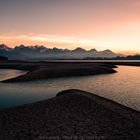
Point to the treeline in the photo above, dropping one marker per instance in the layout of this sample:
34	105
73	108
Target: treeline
130	57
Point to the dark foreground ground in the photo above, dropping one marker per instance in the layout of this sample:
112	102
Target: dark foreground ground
46	70
72	114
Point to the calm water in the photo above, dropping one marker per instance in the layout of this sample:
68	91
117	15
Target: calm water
9	73
122	87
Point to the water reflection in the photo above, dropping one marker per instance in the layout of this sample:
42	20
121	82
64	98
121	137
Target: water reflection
10	73
122	87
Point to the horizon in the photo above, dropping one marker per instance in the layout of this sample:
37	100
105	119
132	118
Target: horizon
100	24
72	49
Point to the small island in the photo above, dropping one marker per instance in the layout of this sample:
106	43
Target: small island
46	70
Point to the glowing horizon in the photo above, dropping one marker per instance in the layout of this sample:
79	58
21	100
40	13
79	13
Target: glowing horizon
100	24
60	42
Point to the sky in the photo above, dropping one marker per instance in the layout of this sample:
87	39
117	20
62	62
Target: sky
100	24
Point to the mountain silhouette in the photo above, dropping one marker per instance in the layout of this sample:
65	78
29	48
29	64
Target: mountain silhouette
79	50
93	50
42	52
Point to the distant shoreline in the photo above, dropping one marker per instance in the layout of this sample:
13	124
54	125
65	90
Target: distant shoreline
46	70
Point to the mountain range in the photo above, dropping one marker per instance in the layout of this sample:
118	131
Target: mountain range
41	52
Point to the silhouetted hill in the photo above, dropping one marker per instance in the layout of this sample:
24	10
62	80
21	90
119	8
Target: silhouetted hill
23	52
79	50
134	57
130	57
93	50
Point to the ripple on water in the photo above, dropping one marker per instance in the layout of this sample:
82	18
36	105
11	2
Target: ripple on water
122	87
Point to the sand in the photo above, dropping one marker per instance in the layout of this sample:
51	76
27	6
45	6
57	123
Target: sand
72	114
46	70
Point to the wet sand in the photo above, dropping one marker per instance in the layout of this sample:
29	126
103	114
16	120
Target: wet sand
71	114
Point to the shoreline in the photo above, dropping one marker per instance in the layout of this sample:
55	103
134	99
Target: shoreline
71	113
46	70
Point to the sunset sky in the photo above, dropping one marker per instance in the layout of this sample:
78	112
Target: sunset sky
100	24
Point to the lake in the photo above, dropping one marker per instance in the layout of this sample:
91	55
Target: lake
10	73
122	87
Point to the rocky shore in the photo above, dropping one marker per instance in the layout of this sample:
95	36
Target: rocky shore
72	114
46	70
